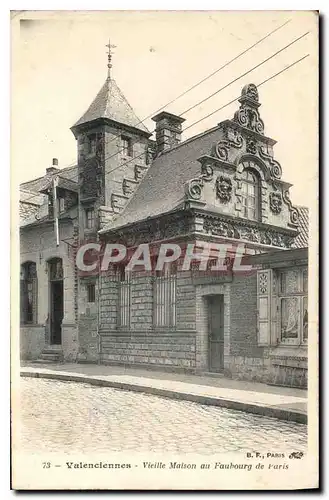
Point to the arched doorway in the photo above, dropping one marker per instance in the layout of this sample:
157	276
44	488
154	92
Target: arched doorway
56	297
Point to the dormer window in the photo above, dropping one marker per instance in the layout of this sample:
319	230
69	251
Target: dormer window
127	147
250	195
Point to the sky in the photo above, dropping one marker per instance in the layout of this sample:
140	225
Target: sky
59	63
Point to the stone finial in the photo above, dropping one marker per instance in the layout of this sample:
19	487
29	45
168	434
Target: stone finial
250	92
248	114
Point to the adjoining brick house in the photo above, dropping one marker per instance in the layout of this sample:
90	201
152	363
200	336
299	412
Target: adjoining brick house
222	185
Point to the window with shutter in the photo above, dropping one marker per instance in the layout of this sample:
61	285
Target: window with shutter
264	320
292	306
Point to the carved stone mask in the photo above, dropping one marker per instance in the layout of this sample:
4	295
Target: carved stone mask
224	188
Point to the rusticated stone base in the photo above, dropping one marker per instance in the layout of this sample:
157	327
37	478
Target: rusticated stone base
175	351
290	372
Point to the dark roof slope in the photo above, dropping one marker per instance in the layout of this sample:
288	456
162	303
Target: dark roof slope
30	192
111	103
301	241
36	185
162	188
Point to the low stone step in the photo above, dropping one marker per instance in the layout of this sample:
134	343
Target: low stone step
214	374
53	357
46	361
52	350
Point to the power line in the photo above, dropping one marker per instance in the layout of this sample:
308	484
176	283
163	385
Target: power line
222	107
237	98
273	55
198	83
246	73
219	109
231	82
206	78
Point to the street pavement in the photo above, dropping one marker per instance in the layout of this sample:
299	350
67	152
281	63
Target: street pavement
281	402
70	417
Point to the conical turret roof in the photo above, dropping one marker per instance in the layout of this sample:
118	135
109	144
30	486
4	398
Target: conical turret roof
110	103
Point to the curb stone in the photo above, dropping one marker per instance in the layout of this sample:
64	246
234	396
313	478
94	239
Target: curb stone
264	410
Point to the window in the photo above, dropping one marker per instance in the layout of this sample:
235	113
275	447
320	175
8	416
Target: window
124	297
127	149
91	292
293	307
250	195
164	294
61	205
90	218
91	145
28	293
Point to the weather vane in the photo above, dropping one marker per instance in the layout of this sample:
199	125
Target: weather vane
109	57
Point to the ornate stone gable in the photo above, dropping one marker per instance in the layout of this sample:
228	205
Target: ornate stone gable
242	146
193	189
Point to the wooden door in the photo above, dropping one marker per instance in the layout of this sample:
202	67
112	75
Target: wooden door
56	312
216	332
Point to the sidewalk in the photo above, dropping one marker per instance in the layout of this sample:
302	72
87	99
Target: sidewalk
253	397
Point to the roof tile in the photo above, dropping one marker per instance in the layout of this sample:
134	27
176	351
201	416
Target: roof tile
111	103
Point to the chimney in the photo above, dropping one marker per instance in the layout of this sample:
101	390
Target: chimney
54	167
168	130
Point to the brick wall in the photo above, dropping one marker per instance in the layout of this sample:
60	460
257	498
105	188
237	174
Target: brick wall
143	343
108	296
141	314
185	301
288	371
158	349
243	337
88	322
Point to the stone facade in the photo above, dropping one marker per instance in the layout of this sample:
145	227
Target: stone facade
129	189
38	245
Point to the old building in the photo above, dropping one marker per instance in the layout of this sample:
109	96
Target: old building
221	186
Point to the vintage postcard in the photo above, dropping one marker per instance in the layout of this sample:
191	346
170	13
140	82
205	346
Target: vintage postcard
165	239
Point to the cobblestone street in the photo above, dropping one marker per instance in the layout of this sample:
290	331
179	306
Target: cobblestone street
79	418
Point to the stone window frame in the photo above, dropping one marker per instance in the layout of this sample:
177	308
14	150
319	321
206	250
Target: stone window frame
90	221
91	292
127	146
258	166
165	287
202	326
300	295
91	144
124	280
29	283
252	200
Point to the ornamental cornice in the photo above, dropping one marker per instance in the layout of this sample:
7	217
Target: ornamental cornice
245	222
247	132
216	162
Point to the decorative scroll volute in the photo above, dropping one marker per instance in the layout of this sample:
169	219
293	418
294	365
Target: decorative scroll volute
193	188
248	114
